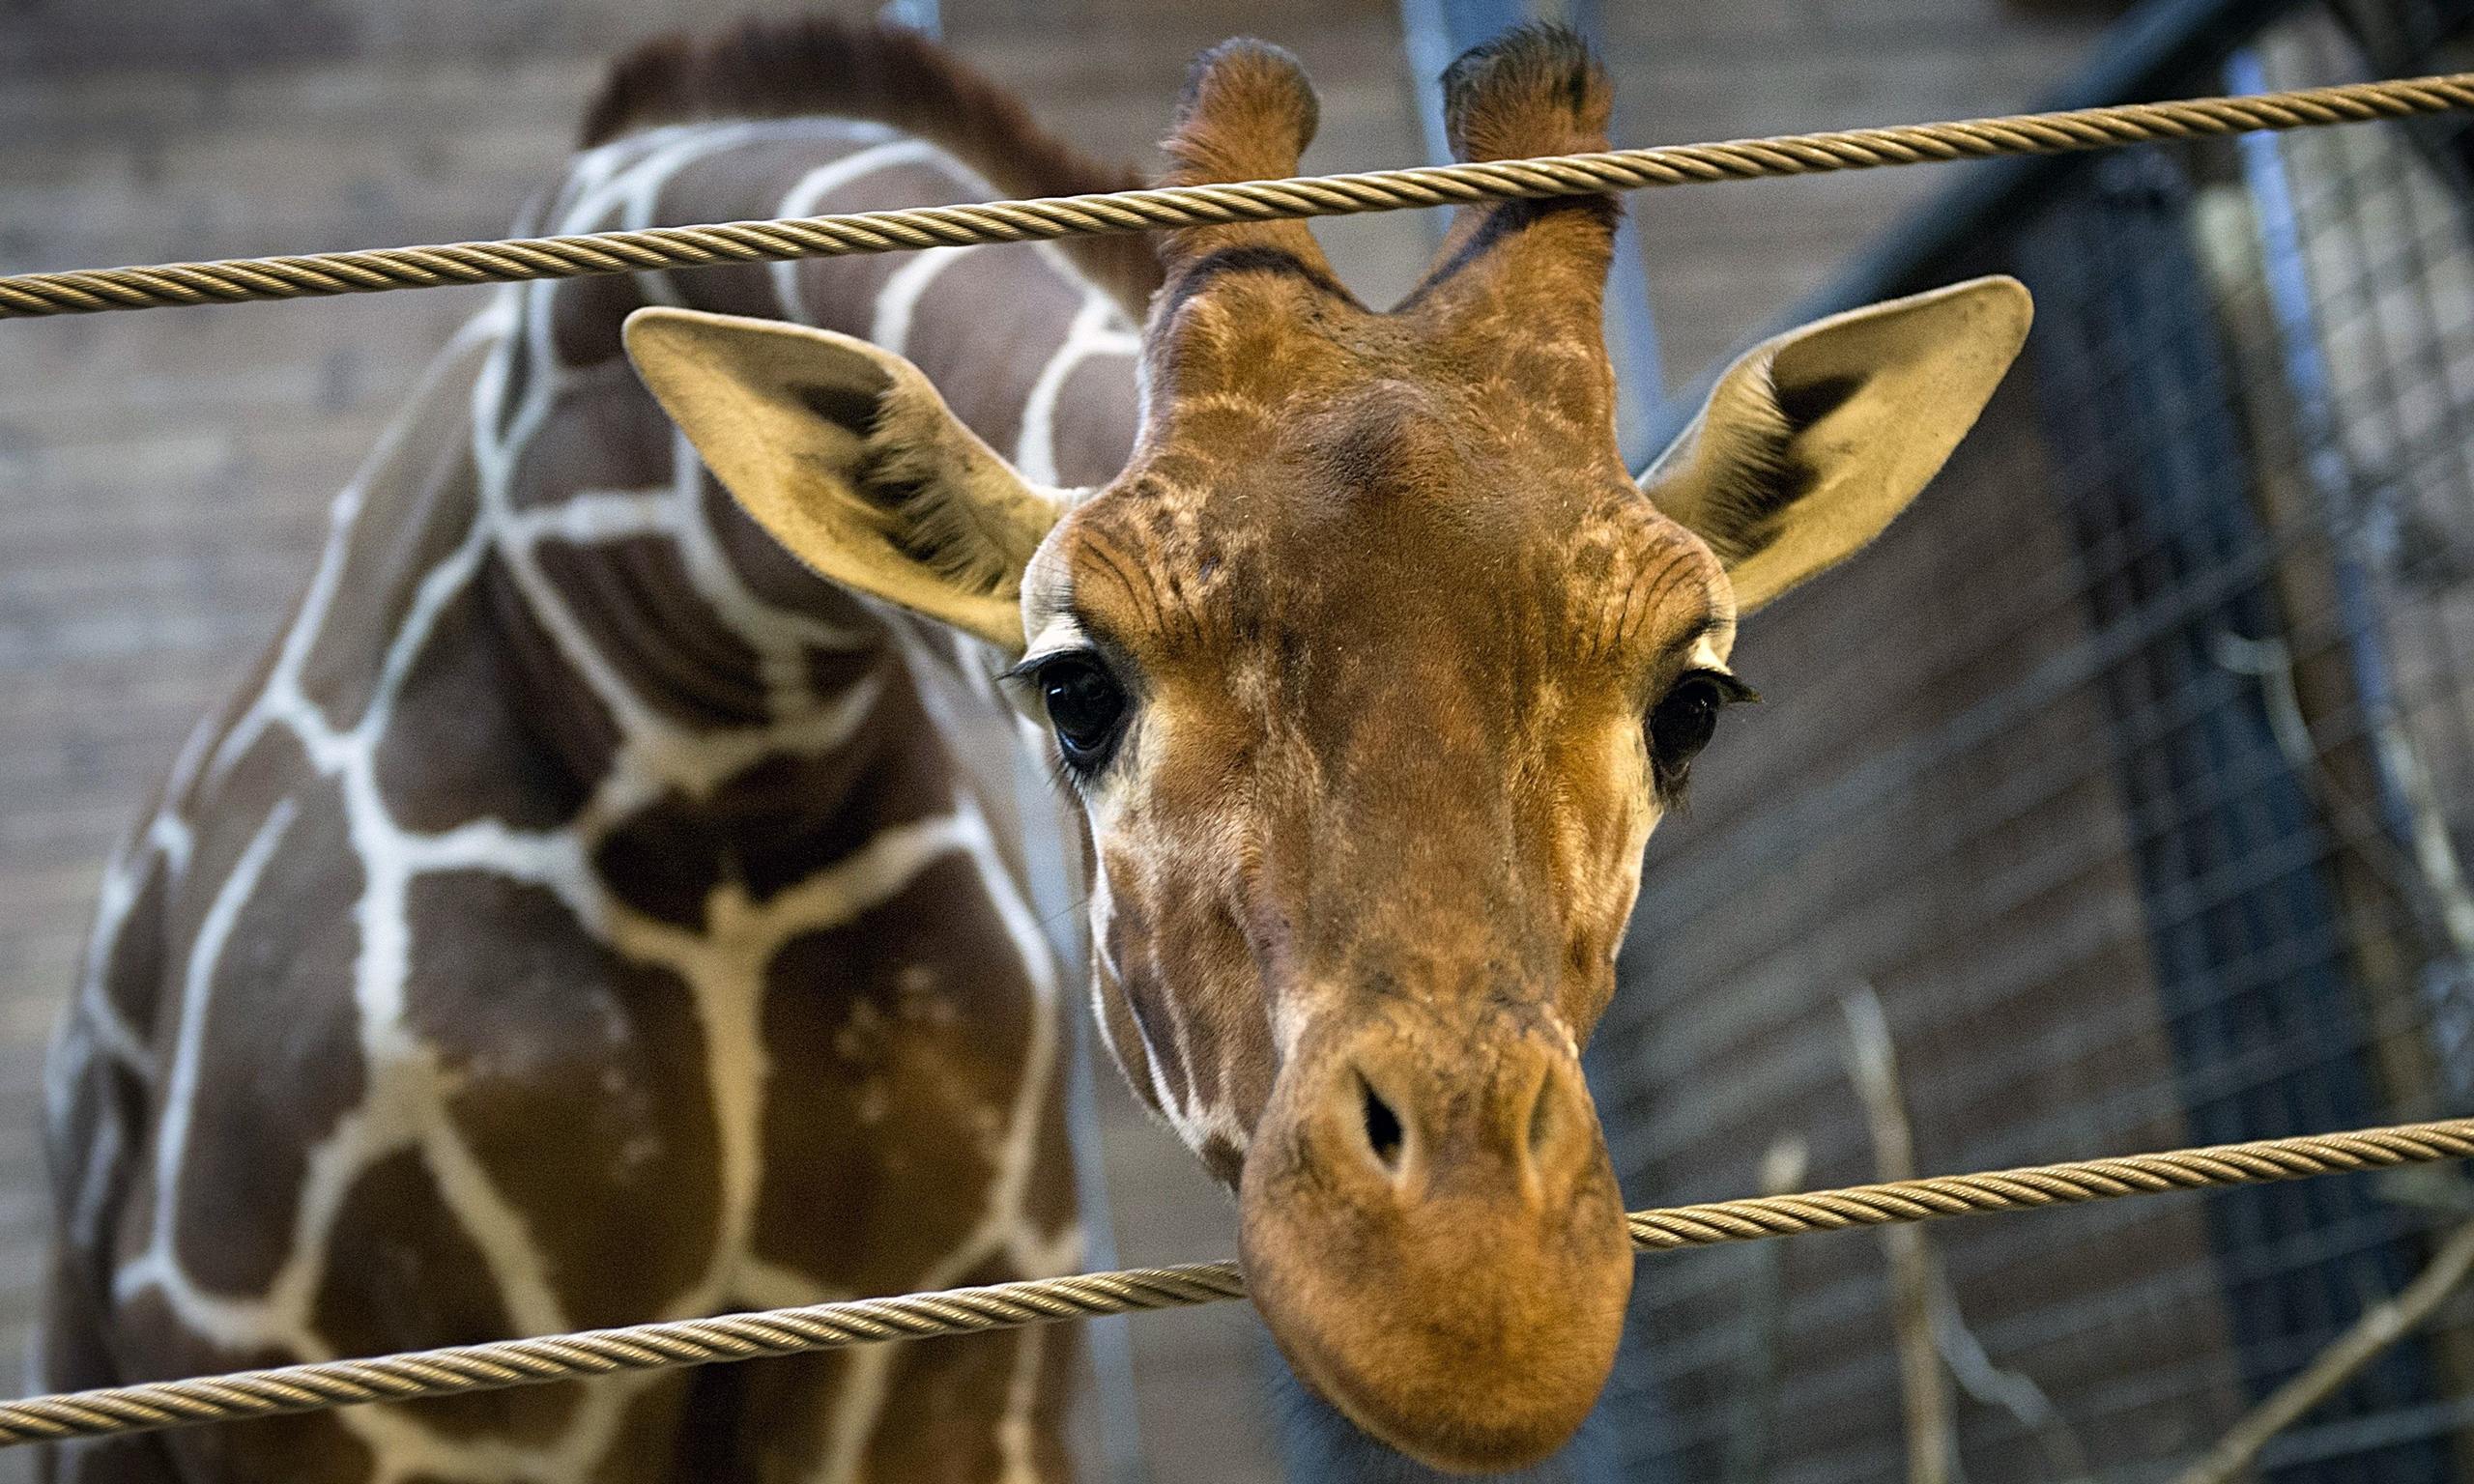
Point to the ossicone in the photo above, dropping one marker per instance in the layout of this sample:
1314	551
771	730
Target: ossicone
1248	113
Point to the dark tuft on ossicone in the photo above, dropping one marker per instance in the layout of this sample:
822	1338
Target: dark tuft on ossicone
1537	89
1249	113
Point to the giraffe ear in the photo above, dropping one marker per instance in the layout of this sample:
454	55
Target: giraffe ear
1812	443
849	458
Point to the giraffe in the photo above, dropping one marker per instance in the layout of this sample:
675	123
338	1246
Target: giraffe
604	905
1368	675
586	915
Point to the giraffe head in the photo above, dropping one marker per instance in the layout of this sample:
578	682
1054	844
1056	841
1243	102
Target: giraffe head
1372	673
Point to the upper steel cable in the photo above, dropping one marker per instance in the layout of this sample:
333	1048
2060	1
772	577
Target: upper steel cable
234	280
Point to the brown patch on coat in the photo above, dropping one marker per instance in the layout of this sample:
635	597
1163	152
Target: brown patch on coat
150	1343
578	1083
970	359
134	965
756	179
896	1042
768	571
92	1149
683	1426
1053	1206
1095	420
465	739
420	506
74	1353
585	315
604	434
279	1064
779	821
417	1279
643	616
943	1415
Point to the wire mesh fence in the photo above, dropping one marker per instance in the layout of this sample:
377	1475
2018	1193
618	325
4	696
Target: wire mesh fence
2134	774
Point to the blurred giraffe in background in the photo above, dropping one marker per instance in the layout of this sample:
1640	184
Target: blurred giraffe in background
589	916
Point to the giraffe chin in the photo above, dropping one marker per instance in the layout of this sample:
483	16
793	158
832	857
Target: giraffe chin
1465	1319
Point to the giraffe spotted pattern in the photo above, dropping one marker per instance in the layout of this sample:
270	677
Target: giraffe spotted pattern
587	916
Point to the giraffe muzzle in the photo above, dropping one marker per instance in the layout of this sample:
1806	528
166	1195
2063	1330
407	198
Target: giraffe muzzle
1432	1231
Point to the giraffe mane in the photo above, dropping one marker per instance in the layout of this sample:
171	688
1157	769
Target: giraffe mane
824	65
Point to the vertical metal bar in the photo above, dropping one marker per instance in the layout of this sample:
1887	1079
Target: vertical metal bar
1631	327
1426	35
924	16
1109	1341
2356	529
2306	375
1115	1412
2145	55
1433	32
2137	400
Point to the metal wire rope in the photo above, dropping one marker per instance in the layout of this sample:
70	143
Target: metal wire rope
234	280
326	1385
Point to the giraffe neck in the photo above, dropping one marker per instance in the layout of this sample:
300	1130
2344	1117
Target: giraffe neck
703	672
567	788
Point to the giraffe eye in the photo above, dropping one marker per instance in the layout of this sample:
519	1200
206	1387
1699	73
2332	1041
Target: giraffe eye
1685	717
1086	707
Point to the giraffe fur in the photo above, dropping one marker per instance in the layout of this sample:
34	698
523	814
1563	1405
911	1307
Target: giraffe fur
589	917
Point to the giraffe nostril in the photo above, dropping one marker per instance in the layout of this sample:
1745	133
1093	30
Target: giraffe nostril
1383	1133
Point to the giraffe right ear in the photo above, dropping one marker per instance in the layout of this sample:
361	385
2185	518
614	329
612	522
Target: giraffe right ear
1814	440
848	457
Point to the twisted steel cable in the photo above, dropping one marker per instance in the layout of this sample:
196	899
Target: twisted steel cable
1933	1197
316	275
507	1363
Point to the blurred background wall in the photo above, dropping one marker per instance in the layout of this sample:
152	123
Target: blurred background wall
163	477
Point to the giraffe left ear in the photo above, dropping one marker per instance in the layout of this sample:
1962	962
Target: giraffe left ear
1814	440
849	458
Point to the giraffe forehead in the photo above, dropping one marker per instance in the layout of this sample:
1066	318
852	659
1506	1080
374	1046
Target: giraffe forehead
1258	327
1277	566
